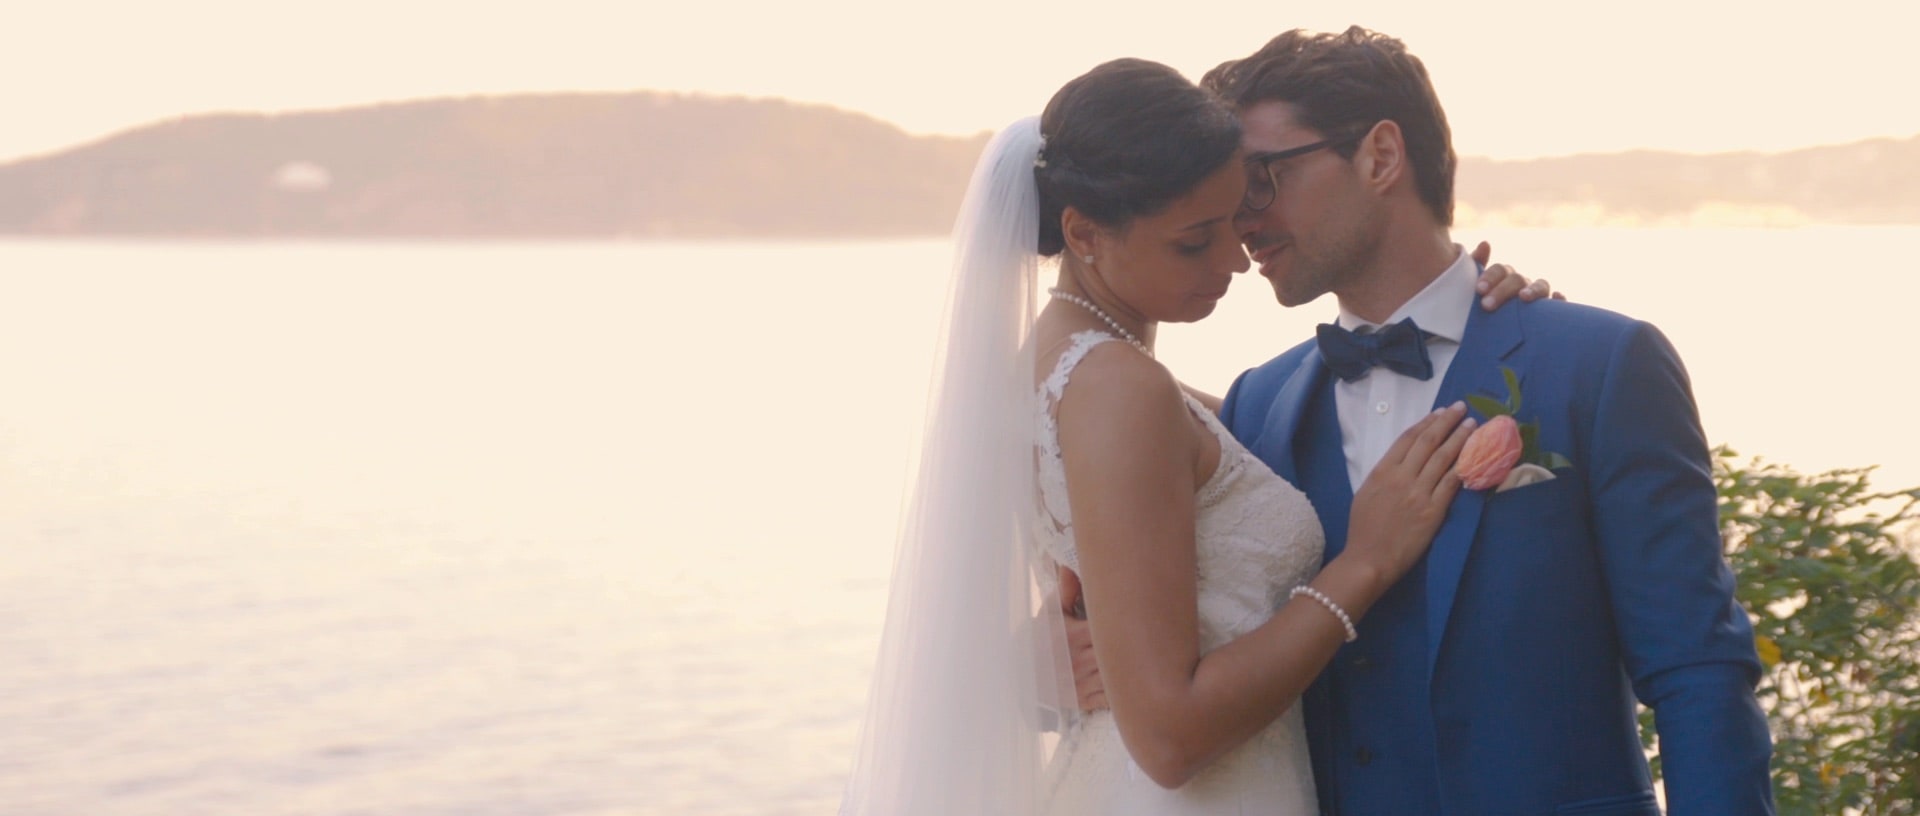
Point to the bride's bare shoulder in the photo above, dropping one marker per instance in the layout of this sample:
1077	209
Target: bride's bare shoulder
1116	386
1119	365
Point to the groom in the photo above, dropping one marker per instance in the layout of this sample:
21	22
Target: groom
1500	676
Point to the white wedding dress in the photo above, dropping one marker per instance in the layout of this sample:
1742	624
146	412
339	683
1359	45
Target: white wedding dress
1257	538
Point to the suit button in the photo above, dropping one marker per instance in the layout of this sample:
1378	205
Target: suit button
1363	756
1363	663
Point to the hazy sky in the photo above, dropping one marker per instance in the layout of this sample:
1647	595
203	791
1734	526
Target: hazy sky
1518	78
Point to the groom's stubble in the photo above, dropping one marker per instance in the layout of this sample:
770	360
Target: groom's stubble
1331	256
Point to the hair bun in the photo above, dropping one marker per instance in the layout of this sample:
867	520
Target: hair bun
1124	140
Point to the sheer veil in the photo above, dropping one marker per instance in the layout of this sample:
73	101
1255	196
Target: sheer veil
973	657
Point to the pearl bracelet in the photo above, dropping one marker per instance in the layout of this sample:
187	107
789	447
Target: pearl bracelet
1345	621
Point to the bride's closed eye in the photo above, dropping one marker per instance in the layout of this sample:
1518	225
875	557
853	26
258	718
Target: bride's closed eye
1193	249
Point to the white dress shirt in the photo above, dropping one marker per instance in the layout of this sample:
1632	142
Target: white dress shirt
1376	408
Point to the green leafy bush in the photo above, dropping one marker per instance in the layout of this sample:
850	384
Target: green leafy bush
1831	579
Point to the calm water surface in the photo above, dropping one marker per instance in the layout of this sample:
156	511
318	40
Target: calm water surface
603	530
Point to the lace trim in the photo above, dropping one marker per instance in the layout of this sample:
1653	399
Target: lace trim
1233	458
1052	477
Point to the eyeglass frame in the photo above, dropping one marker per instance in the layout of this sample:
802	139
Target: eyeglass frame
1266	160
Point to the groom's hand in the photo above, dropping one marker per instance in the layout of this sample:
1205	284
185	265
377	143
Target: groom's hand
1086	673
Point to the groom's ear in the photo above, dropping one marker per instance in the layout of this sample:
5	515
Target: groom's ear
1381	157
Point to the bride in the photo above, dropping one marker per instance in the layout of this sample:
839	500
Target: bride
1058	445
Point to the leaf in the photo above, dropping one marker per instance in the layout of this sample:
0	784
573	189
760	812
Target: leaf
1554	461
1769	650
1488	406
1513	388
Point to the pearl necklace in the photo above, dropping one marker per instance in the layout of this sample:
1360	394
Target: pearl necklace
1061	294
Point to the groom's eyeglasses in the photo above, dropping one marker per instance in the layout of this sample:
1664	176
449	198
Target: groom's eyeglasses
1262	187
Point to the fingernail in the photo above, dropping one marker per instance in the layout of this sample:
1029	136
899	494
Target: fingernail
1468	423
1487	301
1461	404
1480	286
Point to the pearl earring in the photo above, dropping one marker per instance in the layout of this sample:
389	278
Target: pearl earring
1088	259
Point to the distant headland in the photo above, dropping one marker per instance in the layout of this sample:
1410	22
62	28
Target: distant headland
659	165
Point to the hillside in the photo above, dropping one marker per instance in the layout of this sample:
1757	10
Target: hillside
578	165
651	165
1870	182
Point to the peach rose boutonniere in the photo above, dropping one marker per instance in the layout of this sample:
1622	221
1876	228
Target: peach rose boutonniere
1505	453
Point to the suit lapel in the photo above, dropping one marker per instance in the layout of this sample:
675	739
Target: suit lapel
1489	339
1301	442
1290	405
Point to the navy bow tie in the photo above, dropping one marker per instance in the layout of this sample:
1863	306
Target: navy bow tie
1401	347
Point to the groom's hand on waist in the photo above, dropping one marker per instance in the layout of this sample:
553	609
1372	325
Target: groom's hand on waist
1086	673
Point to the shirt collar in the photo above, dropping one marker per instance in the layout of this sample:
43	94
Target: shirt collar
1441	309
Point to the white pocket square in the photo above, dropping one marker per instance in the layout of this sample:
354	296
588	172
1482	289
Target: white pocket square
1524	475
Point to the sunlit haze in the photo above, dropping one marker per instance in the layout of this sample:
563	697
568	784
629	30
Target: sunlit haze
1519	78
486	462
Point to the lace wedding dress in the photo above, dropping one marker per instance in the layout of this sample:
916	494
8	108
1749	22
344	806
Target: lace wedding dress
1257	538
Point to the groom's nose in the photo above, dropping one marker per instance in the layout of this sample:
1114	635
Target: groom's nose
1246	223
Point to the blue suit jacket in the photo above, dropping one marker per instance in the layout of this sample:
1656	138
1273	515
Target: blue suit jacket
1551	608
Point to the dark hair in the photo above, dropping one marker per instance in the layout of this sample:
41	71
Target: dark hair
1342	85
1124	140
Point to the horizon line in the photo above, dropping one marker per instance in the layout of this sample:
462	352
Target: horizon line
803	103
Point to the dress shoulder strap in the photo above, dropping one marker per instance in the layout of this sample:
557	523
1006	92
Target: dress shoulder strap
1055	516
1077	347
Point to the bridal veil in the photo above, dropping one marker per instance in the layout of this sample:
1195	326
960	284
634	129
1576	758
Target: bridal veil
972	670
